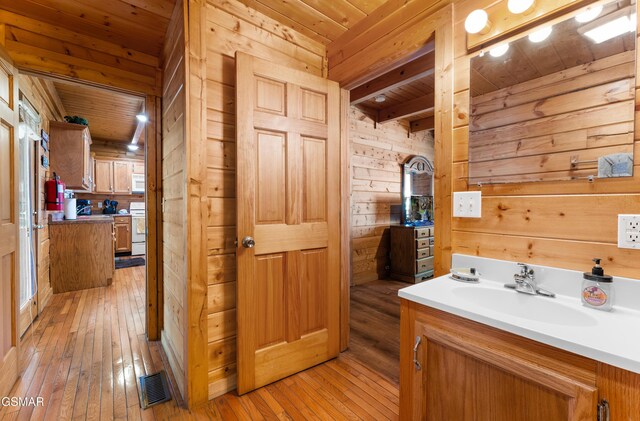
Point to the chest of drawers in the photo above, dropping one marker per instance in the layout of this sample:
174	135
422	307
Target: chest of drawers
411	253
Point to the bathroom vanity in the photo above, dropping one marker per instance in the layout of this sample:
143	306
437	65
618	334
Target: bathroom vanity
479	351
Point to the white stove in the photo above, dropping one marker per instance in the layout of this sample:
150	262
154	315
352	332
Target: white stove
139	228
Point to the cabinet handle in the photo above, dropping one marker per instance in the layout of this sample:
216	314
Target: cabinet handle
603	410
415	353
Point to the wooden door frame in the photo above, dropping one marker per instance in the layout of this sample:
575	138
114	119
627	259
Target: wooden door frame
439	26
153	195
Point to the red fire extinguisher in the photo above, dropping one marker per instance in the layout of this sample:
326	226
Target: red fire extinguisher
54	193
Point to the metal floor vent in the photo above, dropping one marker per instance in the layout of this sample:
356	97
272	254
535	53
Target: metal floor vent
154	389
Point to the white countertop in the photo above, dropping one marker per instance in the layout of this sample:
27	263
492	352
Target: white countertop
563	322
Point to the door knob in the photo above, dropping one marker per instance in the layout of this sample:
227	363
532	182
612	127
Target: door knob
248	242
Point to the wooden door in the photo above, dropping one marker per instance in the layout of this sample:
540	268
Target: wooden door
123	237
288	189
122	176
8	224
104	176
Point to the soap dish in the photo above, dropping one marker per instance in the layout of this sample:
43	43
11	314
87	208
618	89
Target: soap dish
465	275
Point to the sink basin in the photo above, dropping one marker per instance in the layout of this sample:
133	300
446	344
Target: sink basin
535	308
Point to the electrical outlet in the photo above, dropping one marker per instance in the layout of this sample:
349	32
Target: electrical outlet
467	204
629	231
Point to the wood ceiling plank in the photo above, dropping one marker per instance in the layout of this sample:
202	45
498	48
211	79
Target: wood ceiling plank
340	11
162	8
407	109
367	6
414	70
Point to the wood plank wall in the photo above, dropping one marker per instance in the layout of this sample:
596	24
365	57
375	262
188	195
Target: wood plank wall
231	27
174	194
377	152
533	130
47	48
562	224
42	95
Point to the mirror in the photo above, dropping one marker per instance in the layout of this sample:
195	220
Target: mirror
558	103
417	191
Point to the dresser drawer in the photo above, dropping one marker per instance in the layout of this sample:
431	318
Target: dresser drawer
423	265
422	253
423	232
423	243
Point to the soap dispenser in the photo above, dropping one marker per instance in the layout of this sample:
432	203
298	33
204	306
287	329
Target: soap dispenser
597	288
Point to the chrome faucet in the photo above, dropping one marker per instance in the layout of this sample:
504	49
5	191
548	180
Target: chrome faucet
526	282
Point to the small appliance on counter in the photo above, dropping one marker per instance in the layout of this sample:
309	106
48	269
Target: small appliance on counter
70	211
83	207
110	207
54	194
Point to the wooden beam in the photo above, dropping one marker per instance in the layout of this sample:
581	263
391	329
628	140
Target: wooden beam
421	67
410	108
426	123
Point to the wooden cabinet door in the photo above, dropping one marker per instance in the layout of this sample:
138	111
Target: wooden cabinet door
123	238
466	382
122	171
288	142
9	267
86	160
103	176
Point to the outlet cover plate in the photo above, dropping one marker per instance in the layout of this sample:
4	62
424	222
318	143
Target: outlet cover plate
629	231
467	204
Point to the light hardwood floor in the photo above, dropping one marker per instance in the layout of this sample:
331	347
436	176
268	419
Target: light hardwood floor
375	326
84	353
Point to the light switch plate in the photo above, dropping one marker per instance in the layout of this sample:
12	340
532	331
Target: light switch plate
467	204
629	231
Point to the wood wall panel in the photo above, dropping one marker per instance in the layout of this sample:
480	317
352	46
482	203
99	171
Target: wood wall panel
561	223
174	195
51	49
231	27
377	152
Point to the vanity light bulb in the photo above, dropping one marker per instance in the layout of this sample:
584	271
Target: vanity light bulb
476	22
520	6
590	14
541	34
498	51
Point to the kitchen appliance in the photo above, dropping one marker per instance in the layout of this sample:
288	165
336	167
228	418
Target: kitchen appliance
110	207
70	211
83	207
137	183
54	194
138	228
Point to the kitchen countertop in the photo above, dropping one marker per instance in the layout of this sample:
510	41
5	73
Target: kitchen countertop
82	219
562	322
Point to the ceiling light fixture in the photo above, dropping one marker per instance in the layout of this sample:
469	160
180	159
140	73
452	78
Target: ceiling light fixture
499	50
477	22
142	118
589	14
520	6
611	29
133	147
541	34
380	98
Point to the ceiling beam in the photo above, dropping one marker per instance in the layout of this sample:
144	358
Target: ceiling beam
426	123
417	69
423	104
139	129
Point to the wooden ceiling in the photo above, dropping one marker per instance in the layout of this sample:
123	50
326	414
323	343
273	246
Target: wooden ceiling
111	115
320	20
563	49
408	94
136	24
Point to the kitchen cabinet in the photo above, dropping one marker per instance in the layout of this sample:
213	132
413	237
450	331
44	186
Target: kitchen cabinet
454	368
138	168
122	226
70	155
113	177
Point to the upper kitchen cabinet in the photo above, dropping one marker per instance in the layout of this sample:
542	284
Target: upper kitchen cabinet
70	154
122	171
104	176
113	176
